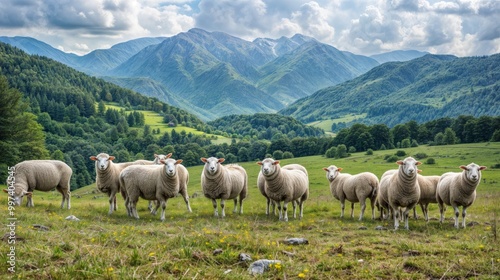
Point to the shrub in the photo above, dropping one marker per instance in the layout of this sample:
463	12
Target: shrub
352	149
287	155
278	154
420	155
401	153
330	153
369	152
430	161
392	158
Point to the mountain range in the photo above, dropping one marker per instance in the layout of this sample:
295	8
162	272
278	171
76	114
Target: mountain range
213	74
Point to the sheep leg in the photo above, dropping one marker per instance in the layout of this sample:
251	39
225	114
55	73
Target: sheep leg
457	213
464	213
268	204
150	206
406	214
241	205
235	209
280	212
294	206
285	210
301	209
127	207
222	206
372	203
133	207
352	210
342	207
112	201
163	204
425	210
415	212
216	211
362	203
155	209
395	213
29	201
184	194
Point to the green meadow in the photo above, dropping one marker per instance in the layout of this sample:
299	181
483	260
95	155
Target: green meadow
326	125
199	246
155	121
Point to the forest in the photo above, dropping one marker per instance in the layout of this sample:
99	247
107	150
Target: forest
51	111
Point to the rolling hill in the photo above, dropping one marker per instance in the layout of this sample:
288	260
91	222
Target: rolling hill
422	89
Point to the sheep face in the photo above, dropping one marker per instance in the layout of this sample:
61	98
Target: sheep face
17	195
102	160
212	164
160	157
332	172
268	166
472	171
409	166
170	166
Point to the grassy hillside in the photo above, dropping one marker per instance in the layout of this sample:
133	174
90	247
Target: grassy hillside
182	247
155	121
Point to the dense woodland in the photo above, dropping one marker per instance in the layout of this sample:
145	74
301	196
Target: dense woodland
48	110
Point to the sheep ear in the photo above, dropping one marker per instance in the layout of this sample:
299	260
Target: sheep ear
419	170
463	167
162	161
156	155
400	162
221	160
28	194
482	167
93	158
326	169
339	169
179	161
259	162
169	155
276	162
5	191
203	159
418	163
111	158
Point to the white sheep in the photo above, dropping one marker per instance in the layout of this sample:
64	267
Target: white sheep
458	189
107	177
40	175
285	184
428	185
151	183
223	182
382	202
353	188
403	191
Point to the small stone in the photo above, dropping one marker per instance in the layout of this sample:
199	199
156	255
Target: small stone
296	241
217	251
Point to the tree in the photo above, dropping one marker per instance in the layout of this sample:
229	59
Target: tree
449	137
331	153
21	136
341	151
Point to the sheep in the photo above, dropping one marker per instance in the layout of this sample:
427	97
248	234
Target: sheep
403	192
107	177
428	185
381	200
223	182
40	175
353	188
287	184
152	183
458	189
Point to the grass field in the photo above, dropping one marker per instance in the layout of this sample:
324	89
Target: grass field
102	246
326	125
155	121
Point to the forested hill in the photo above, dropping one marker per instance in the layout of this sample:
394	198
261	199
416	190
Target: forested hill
264	126
54	86
422	89
38	94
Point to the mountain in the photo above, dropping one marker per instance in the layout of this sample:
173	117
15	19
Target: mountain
398	56
421	89
213	74
33	46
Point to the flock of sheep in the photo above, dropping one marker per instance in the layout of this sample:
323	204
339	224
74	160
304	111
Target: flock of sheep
395	194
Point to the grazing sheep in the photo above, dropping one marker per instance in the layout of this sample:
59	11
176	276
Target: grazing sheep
353	188
403	191
40	175
107	177
458	189
287	184
223	182
151	183
428	185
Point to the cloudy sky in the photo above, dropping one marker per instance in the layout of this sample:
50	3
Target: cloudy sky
459	27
